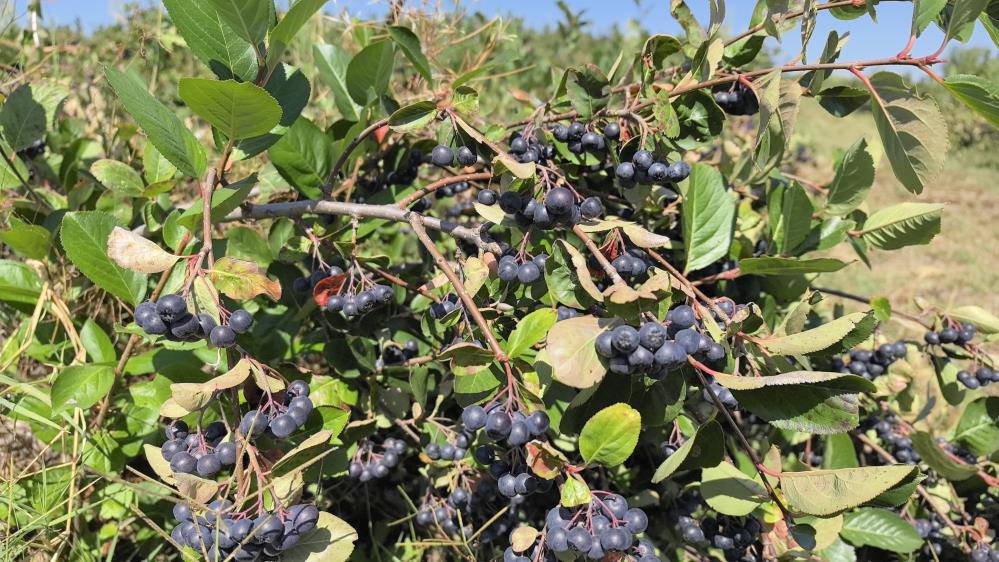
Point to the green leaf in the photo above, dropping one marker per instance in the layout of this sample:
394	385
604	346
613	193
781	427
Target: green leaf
155	167
791	216
923	13
22	118
97	343
708	217
912	130
978	428
587	89
19	283
413	116
289	86
224	201
212	41
881	529
530	330
839	452
81	386
368	73
985	321
303	157
248	18
706	448
769	265
29	240
809	401
979	94
165	130
817	339
85	236
938	460
118	177
571	348
239	110
901	225
963	13
728	491
841	101
853	181
11	173
827	492
609	437
574	493
331	541
332	62
289	26
410	45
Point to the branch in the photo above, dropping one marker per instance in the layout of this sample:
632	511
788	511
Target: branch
606	265
328	186
867	301
443	182
361	211
459	288
743	442
792	15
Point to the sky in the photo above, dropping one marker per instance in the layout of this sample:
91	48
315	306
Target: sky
867	40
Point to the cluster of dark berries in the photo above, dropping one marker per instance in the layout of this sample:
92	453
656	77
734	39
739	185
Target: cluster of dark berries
502	423
653	349
960	334
352	305
890	431
395	355
579	140
199	452
527	148
407	170
33	151
279	419
306	284
514	480
565	313
558	208
375	461
525	271
733	536
454	449
169	317
632	264
644	170
740	100
985	553
452	190
932	532
447	305
225	537
445	515
724	395
982	377
444	156
871	363
605	525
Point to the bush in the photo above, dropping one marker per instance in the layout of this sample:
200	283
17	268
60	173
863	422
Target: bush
287	287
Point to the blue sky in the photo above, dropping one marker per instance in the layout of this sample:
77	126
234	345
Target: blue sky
867	40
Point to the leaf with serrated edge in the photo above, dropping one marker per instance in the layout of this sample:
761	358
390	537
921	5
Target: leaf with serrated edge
854	178
610	436
912	130
132	251
827	492
905	224
708	217
530	330
978	428
295	458
816	339
242	280
239	110
198	489
572	350
574	492
727	490
85	236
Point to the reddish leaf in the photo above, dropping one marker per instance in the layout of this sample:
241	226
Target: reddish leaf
329	286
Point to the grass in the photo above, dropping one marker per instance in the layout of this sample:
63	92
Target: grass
959	266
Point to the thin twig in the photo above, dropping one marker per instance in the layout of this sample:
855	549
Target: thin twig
459	288
443	182
592	247
335	172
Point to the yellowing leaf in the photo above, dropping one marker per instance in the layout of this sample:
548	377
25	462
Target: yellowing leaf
242	280
131	251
